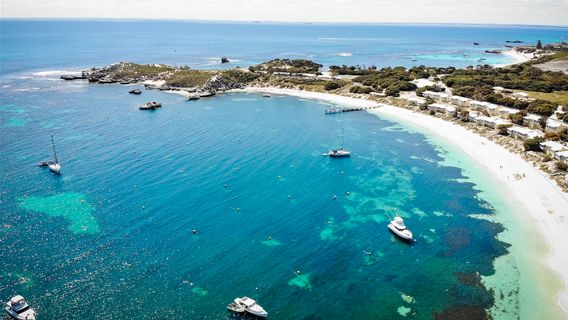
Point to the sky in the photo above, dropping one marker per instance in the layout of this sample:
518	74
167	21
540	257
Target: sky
531	12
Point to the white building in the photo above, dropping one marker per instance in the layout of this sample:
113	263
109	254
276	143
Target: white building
492	122
553	147
554	125
532	121
484	105
460	101
562	156
524	133
438	96
443	108
416	101
505	112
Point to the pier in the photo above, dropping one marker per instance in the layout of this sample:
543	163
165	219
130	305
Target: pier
333	110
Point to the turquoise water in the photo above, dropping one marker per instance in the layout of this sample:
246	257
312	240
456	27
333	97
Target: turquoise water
113	234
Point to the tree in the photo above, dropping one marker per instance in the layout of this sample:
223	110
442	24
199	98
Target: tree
539	45
533	144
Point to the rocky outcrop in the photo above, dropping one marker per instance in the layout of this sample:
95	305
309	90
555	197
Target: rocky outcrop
220	83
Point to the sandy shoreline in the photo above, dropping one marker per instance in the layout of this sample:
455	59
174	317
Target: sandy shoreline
543	202
517	57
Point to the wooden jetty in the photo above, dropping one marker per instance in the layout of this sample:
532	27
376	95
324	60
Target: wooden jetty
333	110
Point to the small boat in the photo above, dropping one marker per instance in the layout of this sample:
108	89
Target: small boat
397	227
53	165
476	43
193	97
266	95
235	307
340	152
251	307
152	105
135	91
19	309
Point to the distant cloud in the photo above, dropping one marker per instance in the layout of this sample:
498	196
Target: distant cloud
542	12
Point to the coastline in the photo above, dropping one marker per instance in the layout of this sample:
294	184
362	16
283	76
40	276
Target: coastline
518	57
538	202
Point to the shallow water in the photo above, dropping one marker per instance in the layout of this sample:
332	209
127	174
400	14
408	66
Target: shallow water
142	181
113	234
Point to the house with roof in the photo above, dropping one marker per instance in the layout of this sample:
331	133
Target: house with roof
524	133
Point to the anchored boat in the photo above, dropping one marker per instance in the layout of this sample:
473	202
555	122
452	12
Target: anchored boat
18	308
249	305
53	165
398	227
340	152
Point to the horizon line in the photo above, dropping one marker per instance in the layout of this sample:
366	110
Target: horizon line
286	22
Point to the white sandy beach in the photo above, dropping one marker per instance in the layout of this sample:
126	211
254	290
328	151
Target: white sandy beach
517	57
544	204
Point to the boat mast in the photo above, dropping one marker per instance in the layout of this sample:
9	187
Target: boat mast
53	146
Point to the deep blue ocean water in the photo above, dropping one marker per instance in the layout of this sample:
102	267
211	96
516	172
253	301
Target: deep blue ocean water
63	44
112	236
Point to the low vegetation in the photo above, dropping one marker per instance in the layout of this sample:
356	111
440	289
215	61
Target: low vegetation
288	66
134	70
189	78
392	80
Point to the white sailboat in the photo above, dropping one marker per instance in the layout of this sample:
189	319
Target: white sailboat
54	165
340	152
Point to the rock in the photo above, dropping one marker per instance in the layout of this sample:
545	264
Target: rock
71	77
205	94
135	91
107	80
194	97
225	60
152	105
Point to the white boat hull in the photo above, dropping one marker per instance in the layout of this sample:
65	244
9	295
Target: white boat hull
26	315
403	234
55	168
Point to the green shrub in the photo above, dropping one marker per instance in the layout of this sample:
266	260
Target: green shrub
359	89
533	144
331	85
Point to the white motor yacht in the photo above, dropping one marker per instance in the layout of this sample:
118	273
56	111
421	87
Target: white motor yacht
251	307
19	309
397	227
